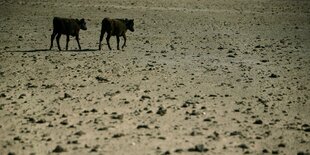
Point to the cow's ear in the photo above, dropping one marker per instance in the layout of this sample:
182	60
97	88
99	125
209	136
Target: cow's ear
82	20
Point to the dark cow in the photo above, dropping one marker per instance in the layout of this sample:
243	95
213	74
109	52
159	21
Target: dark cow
67	27
115	27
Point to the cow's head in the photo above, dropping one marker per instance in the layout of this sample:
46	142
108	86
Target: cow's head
82	24
130	24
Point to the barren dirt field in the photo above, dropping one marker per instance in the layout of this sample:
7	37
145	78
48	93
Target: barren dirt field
218	77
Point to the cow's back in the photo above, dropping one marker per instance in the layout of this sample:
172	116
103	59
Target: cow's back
65	26
114	26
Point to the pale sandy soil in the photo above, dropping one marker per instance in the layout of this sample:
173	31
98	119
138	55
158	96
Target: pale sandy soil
196	77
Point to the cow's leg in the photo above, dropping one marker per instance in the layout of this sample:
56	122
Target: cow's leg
57	39
52	39
117	41
77	40
67	42
100	40
124	36
108	40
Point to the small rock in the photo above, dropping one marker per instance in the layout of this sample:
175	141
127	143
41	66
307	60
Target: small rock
243	146
101	79
59	149
198	148
95	148
143	97
80	133
142	127
307	129
94	110
41	121
17	138
220	48
274	76
275	152
281	145
64	122
66	95
118	135
178	150
161	111
119	117
302	153
235	133
265	151
166	153
258	121
2	95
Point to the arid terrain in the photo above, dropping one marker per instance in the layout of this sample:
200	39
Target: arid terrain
218	77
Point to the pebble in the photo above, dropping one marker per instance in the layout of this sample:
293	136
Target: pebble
142	127
198	148
161	111
59	149
258	121
118	135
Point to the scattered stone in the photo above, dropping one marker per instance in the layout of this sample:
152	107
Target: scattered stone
142	127
281	145
274	76
166	153
119	117
220	48
275	152
143	97
207	120
64	122
188	103
235	133
118	135
30	119
193	113
41	121
264	61
161	111
66	95
178	150
243	146
2	95
101	79
95	149
307	129
198	148
231	56
94	110
59	149
259	46
265	151
303	153
80	133
258	121
17	138
212	95
21	96
30	85
102	128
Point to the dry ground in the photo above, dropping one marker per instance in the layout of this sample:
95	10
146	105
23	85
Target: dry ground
197	76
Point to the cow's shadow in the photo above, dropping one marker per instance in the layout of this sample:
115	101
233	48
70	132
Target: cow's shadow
48	50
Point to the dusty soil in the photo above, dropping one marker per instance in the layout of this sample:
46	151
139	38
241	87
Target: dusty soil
197	76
